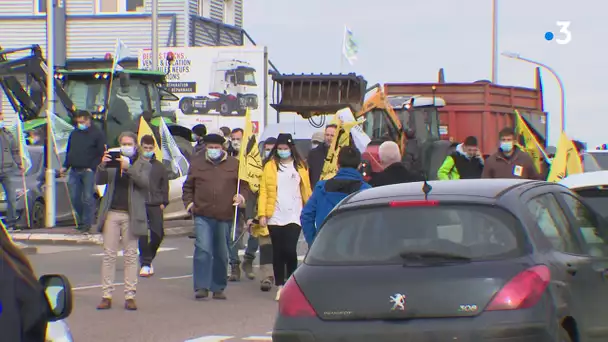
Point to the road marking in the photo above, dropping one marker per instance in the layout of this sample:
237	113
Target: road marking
178	277
161	249
93	287
56	249
214	338
257	338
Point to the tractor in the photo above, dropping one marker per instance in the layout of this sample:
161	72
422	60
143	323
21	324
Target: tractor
410	121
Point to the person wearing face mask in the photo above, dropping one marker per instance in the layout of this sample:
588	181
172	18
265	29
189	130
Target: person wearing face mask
85	149
464	163
198	134
10	165
510	161
269	144
236	139
209	193
122	216
317	139
158	199
284	189
316	156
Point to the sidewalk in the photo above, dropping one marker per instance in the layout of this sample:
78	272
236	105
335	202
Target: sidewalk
69	235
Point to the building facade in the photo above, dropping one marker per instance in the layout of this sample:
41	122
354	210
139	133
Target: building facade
90	28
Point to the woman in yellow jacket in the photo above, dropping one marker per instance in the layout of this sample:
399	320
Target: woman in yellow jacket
284	189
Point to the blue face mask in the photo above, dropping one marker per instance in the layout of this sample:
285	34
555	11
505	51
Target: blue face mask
148	154
82	127
506	146
214	153
284	154
266	154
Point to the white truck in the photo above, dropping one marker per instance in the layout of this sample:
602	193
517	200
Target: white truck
232	89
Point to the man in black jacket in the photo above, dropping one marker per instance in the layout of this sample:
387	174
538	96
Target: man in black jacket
316	156
198	134
158	199
86	146
394	171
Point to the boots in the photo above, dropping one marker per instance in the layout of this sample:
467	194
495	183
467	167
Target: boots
267	278
248	268
235	273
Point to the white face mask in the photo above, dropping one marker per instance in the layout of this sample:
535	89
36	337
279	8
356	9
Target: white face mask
315	145
127	151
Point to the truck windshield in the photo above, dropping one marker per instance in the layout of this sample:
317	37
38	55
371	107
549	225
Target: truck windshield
87	95
245	77
425	122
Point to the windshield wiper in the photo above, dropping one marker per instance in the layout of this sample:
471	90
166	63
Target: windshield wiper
432	256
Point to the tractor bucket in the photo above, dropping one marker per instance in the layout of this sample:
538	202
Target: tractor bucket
310	95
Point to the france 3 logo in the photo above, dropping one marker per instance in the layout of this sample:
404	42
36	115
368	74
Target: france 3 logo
565	36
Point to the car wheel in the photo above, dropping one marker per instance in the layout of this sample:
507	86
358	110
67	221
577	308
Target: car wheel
37	214
564	336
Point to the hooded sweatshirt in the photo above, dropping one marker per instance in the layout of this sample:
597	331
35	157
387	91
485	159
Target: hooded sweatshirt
460	166
326	195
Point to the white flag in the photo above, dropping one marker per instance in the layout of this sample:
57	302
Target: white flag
171	152
121	51
350	49
360	138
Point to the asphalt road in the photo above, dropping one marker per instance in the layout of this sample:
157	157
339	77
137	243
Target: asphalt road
167	309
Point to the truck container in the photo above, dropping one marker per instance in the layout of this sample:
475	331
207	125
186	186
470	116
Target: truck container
480	108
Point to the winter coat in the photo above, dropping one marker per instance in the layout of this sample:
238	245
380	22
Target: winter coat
326	195
459	166
139	184
519	166
394	174
268	188
316	160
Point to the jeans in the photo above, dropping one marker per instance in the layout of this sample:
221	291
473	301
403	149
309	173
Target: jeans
210	261
252	247
148	246
81	183
11	198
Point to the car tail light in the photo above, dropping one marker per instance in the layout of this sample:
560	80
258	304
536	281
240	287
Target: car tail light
293	303
523	291
401	204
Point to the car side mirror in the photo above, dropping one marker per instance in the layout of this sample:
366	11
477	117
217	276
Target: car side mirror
58	292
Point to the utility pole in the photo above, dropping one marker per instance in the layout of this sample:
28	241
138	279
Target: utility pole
155	35
49	192
495	41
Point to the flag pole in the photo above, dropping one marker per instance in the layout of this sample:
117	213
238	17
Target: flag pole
342	50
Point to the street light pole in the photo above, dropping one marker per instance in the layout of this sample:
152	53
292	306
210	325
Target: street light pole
495	41
49	192
154	35
559	82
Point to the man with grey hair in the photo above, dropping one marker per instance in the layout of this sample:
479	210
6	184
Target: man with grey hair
394	171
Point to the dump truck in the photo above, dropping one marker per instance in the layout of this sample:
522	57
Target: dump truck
411	121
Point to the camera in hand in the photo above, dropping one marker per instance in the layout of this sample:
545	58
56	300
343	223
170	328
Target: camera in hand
115	162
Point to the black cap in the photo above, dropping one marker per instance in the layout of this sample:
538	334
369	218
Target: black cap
200	130
285	139
270	141
214	139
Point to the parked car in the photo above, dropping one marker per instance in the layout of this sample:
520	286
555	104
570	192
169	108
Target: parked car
600	156
476	260
593	187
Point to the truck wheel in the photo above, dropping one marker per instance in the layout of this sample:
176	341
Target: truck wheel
185	105
225	109
185	147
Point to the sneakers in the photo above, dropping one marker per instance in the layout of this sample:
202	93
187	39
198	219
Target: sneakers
105	304
219	295
235	273
278	296
248	268
146	271
130	305
266	284
201	294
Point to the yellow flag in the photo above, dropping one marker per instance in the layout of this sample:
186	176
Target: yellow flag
341	139
250	161
566	161
144	129
529	144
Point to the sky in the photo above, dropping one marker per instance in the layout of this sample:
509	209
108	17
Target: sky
409	40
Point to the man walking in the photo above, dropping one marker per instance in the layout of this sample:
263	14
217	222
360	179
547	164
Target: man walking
209	192
328	193
465	163
236	139
394	171
316	156
85	148
10	166
158	199
510	161
198	133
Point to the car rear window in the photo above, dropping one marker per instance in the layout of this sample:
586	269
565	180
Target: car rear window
597	198
380	235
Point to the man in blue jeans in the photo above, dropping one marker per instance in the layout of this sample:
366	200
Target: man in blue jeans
11	166
209	193
86	146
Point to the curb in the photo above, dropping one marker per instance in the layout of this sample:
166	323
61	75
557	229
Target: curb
77	239
27	250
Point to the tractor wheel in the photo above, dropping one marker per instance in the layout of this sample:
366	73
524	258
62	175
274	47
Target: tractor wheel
37	214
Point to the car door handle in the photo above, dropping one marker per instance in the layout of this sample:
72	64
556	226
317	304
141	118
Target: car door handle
571	269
